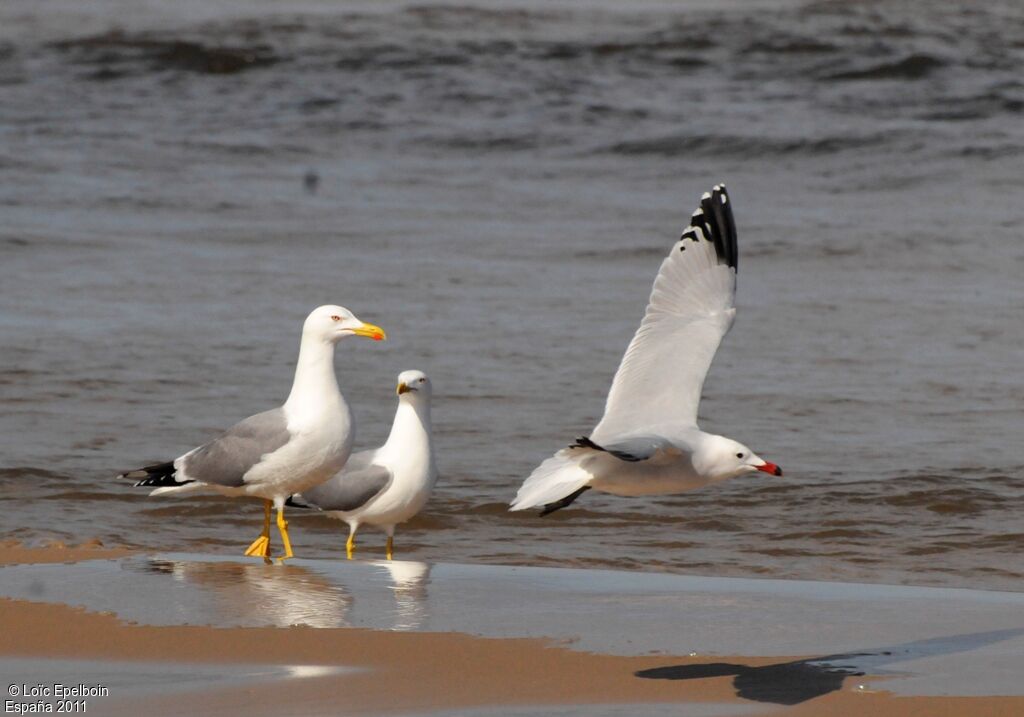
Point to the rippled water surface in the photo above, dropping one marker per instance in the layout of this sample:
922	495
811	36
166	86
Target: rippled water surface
495	184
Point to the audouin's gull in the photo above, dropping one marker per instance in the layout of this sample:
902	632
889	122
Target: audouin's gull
387	485
648	441
278	452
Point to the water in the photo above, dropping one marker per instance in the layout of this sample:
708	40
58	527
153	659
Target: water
495	185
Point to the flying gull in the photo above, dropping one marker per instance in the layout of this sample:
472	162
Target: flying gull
648	441
387	485
281	451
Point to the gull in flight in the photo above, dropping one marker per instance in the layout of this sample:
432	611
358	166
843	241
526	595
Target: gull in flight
281	451
648	442
388	485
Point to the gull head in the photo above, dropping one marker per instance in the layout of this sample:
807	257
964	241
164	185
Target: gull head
332	323
721	458
413	385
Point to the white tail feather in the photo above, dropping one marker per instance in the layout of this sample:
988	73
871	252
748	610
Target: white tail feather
183	488
552	480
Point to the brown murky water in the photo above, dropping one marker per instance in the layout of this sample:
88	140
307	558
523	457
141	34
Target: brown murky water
495	185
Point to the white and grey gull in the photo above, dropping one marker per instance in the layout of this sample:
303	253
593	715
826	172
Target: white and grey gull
281	451
648	441
388	485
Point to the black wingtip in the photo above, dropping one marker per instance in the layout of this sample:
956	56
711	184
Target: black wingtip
714	218
564	502
585	442
159	475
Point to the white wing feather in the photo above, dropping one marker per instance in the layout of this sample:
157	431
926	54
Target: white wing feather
552	480
691	308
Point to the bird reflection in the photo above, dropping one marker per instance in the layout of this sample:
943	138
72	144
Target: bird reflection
278	595
284	595
790	683
409	580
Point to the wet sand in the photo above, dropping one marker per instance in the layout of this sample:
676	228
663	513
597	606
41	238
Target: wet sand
13	552
419	668
402	670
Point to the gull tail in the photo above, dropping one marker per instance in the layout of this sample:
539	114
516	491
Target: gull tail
297	501
162	477
554	483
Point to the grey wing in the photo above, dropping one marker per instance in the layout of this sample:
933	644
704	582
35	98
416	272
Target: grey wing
359	482
226	459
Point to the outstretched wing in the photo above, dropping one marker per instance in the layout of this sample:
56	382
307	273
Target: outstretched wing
359	482
691	308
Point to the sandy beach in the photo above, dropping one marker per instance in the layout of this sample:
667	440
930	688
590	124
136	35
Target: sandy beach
377	666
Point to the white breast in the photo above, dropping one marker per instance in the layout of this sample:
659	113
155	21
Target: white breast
675	474
413	480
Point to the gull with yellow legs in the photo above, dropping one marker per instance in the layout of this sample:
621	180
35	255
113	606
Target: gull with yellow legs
284	450
388	485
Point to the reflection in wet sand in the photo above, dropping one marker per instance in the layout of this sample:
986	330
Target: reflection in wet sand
409	584
279	595
285	595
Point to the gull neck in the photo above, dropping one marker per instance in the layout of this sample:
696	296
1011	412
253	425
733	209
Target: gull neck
315	384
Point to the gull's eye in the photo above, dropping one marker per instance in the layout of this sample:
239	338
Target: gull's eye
423	380
335	318
739	455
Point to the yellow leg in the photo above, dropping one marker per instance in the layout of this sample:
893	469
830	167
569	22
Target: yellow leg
350	544
261	546
388	545
282	527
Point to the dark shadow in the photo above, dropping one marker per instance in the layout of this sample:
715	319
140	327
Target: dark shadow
787	683
790	683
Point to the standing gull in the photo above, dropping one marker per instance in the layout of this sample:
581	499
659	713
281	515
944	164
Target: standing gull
387	485
286	449
648	441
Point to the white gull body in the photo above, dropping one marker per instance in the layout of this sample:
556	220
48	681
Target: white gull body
284	450
388	485
648	441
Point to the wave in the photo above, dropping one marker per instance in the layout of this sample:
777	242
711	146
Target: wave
115	51
915	67
29	472
744	146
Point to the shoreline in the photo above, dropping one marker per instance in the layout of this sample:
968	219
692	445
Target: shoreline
397	672
397	623
15	553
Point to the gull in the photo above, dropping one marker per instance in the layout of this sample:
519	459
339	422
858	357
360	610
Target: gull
648	442
388	485
281	451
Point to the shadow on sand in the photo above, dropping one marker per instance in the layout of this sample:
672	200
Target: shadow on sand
790	683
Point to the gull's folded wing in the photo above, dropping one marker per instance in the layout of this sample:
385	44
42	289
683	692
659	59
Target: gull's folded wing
228	458
359	482
691	308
